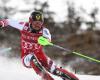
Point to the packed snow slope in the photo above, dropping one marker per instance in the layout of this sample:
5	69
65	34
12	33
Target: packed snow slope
12	69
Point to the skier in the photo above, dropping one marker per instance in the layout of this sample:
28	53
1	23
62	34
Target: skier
32	53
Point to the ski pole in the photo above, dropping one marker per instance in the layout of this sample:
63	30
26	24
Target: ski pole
43	41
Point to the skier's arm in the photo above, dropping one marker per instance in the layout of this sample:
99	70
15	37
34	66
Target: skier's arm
12	23
47	34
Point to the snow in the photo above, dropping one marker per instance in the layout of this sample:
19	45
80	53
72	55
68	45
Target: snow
12	69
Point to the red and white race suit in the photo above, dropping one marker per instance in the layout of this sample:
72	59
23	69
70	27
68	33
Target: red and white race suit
30	47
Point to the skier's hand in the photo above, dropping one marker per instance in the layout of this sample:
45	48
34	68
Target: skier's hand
3	23
44	41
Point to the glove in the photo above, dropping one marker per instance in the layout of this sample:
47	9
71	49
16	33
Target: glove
43	41
3	23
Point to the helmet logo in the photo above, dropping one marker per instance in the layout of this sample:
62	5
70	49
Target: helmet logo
38	17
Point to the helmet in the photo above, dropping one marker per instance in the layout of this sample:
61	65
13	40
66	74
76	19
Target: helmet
36	21
36	16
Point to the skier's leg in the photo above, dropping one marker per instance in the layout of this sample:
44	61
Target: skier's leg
31	61
64	74
52	68
46	62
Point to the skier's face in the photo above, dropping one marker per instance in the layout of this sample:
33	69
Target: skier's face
37	25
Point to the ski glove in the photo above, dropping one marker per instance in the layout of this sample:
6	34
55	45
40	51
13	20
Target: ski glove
3	23
44	41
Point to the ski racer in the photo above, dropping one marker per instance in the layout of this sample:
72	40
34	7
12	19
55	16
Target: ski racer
32	53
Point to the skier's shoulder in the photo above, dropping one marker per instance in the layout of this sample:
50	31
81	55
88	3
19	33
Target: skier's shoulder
45	29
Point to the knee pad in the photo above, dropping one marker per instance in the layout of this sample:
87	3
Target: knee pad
26	60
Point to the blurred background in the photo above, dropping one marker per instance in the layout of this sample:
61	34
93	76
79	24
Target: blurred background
74	24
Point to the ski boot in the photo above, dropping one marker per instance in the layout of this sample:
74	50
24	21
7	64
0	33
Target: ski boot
65	75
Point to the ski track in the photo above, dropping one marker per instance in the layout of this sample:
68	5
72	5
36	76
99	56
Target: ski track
12	69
